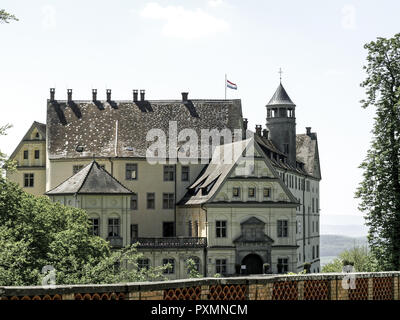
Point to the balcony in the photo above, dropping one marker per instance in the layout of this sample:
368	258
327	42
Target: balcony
171	242
115	242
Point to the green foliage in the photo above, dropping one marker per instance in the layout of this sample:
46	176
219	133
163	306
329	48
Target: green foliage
6	17
379	191
359	257
36	232
192	269
5	164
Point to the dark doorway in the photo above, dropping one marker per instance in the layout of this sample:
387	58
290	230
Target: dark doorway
254	264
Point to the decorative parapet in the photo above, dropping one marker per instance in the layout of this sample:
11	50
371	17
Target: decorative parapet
368	286
171	242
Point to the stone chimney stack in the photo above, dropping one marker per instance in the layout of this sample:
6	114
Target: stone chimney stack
142	92
135	95
108	93
245	122
69	95
185	96
258	129
52	94
94	94
265	133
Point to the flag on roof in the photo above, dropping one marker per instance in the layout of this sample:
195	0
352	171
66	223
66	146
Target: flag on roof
231	85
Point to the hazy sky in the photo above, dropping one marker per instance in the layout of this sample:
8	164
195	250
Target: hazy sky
167	47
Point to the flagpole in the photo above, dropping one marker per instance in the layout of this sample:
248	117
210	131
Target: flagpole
225	86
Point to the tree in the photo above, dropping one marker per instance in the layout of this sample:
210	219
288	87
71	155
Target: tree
359	257
379	191
192	269
36	232
5	164
6	17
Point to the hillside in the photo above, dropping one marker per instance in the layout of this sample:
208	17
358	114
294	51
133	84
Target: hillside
333	245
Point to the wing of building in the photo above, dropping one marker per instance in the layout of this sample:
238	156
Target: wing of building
246	203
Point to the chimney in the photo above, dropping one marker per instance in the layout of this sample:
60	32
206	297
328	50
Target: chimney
265	133
69	94
52	94
142	94
94	94
108	93
185	96
135	95
245	122
258	129
308	129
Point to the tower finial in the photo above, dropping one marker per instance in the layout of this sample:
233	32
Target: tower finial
280	75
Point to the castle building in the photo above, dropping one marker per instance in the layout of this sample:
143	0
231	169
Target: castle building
257	213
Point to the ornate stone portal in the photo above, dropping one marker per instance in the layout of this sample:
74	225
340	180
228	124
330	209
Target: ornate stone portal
253	247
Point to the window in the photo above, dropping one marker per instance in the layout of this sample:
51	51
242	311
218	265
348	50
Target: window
196	228
150	200
317	204
313	205
185	173
299	257
168	229
168	201
313	252
131	171
308	186
37	154
37	136
236	192
295	183
169	173
190	230
95	226
317	251
282	228
77	168
220	266
283	265
26	154
134	231
28	180
267	192
171	268
252	192
113	227
220	226
134	201
143	264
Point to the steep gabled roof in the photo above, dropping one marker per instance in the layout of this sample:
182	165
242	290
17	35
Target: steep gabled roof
307	152
216	173
280	97
41	127
92	179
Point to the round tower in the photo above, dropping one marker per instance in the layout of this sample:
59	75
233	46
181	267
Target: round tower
281	123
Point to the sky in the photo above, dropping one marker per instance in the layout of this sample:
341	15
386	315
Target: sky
167	47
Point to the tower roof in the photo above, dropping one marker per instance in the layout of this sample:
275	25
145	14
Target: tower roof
92	179
280	97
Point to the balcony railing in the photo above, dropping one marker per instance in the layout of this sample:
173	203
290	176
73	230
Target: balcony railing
115	241
171	242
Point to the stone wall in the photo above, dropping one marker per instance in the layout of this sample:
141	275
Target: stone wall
368	286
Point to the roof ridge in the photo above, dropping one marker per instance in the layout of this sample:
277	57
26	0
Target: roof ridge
86	176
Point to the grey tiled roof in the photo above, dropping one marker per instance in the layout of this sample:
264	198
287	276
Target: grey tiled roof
214	174
92	179
280	97
307	152
94	125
